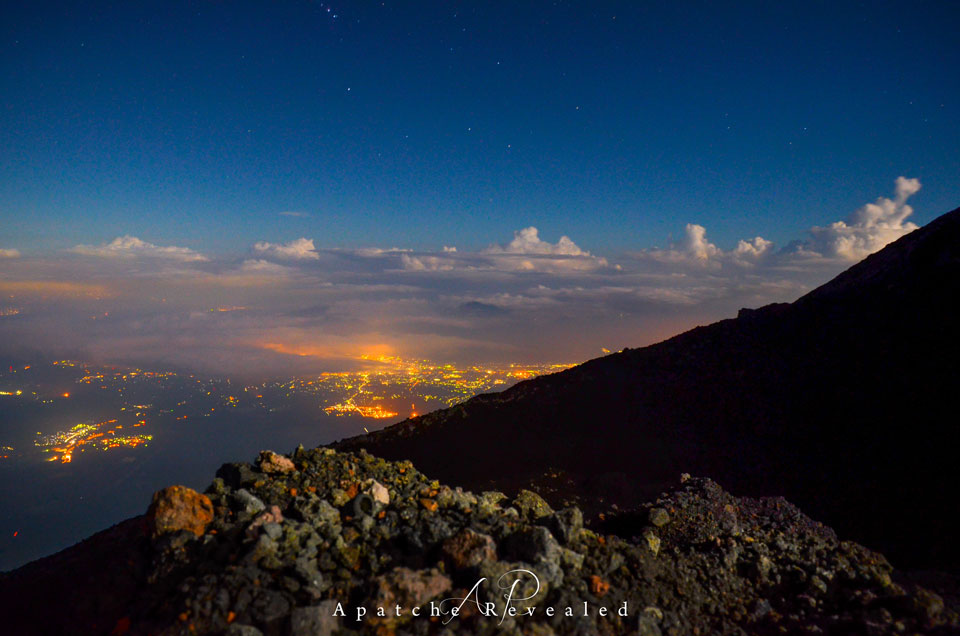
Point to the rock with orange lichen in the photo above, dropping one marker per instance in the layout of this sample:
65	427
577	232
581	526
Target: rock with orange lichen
178	508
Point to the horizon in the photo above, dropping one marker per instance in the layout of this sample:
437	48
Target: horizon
524	301
125	302
220	187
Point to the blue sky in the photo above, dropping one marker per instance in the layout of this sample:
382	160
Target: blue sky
427	123
147	149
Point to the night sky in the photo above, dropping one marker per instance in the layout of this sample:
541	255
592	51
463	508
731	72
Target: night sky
314	165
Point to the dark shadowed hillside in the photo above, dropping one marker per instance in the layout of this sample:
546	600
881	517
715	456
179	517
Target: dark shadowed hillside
843	402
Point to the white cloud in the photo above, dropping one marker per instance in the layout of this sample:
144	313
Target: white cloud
9	253
295	214
130	246
869	228
262	267
752	250
528	252
696	243
694	249
374	252
527	241
426	263
298	250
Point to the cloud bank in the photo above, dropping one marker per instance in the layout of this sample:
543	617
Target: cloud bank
529	298
867	230
131	247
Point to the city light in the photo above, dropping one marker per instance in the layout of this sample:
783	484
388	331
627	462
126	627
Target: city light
136	404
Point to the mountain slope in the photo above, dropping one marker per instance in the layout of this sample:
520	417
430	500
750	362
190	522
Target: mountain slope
840	401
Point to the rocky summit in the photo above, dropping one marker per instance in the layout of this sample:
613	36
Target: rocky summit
326	542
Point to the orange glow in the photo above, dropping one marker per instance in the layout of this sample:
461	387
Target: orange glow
316	351
66	395
54	288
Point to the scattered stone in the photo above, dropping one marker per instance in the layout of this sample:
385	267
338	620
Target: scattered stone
653	541
659	517
531	505
271	462
315	620
272	517
365	506
178	508
409	588
533	545
468	549
378	492
248	503
565	524
236	475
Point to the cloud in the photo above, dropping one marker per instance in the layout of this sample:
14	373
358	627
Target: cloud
295	213
696	243
695	249
298	250
752	250
251	273
522	300
130	247
262	267
527	241
427	263
9	253
868	229
528	252
374	252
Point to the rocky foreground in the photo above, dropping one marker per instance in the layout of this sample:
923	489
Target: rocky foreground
325	542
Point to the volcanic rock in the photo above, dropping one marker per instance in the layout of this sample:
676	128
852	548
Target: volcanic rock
310	568
177	508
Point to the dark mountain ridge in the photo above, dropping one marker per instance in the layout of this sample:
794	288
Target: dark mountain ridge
840	401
